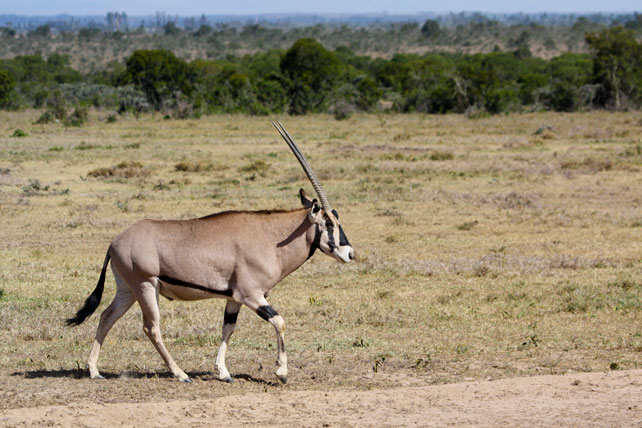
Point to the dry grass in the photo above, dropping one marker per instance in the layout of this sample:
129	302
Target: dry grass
486	249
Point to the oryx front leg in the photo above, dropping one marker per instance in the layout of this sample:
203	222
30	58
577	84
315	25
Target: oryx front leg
265	311
229	323
147	296
123	300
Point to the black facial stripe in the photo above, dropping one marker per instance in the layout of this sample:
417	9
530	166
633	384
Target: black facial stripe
343	239
315	243
174	281
336	214
266	312
230	318
331	242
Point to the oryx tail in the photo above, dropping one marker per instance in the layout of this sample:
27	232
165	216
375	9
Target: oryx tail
92	302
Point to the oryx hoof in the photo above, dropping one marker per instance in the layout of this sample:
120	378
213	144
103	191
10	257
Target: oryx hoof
98	377
283	379
227	379
186	380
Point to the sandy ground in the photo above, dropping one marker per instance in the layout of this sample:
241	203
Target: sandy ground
612	399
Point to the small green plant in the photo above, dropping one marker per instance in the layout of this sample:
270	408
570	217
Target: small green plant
423	363
122	206
461	349
1	293
383	294
19	133
160	185
441	156
84	146
467	225
360	343
259	167
34	187
56	149
378	363
112	118
315	301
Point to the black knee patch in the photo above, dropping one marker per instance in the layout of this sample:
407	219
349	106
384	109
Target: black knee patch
266	312
230	318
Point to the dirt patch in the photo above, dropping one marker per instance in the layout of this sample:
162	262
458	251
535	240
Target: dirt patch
609	399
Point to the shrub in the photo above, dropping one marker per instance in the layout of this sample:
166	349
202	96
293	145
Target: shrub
125	169
441	155
7	84
193	166
313	72
158	73
46	117
19	133
258	166
78	117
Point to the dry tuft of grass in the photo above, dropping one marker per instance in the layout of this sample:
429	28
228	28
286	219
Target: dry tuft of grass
194	166
124	169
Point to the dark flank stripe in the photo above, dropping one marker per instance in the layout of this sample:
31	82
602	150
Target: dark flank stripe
266	312
229	318
181	283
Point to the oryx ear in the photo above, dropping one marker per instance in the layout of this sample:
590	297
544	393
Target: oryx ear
315	212
305	201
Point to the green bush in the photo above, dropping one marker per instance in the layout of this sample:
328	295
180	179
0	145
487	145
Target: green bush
312	73
78	117
158	73
7	84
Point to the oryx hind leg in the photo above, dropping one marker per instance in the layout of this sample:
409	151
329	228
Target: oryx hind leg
265	311
147	296
229	323
123	300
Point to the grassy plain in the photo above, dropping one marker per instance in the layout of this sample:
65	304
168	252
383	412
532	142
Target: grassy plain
487	248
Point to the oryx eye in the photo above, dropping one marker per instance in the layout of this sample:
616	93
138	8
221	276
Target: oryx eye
336	214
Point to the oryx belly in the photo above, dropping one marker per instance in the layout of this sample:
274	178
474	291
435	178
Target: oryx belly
181	290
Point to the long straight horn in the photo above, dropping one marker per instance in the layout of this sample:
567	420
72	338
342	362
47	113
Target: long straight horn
306	166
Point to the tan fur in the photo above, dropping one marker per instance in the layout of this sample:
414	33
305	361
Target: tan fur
237	255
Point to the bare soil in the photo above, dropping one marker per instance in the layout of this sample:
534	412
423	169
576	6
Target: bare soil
610	399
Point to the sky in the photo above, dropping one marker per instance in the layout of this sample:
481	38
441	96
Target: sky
241	7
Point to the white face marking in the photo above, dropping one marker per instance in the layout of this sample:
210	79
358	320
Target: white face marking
343	253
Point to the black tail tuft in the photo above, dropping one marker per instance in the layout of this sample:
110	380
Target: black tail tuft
92	302
87	309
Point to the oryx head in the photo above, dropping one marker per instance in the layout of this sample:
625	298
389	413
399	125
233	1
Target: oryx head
331	238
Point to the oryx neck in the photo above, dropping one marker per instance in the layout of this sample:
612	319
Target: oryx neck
297	244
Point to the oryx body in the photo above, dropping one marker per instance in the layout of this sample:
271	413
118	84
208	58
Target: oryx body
236	255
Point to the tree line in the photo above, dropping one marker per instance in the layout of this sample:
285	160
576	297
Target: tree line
308	78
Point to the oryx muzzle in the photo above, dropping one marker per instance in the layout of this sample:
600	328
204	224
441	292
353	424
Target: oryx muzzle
235	255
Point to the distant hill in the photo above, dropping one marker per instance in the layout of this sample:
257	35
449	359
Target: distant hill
111	20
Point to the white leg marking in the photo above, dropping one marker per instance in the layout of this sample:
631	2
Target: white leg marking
282	359
259	305
231	310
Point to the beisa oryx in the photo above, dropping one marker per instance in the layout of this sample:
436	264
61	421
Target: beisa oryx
235	255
